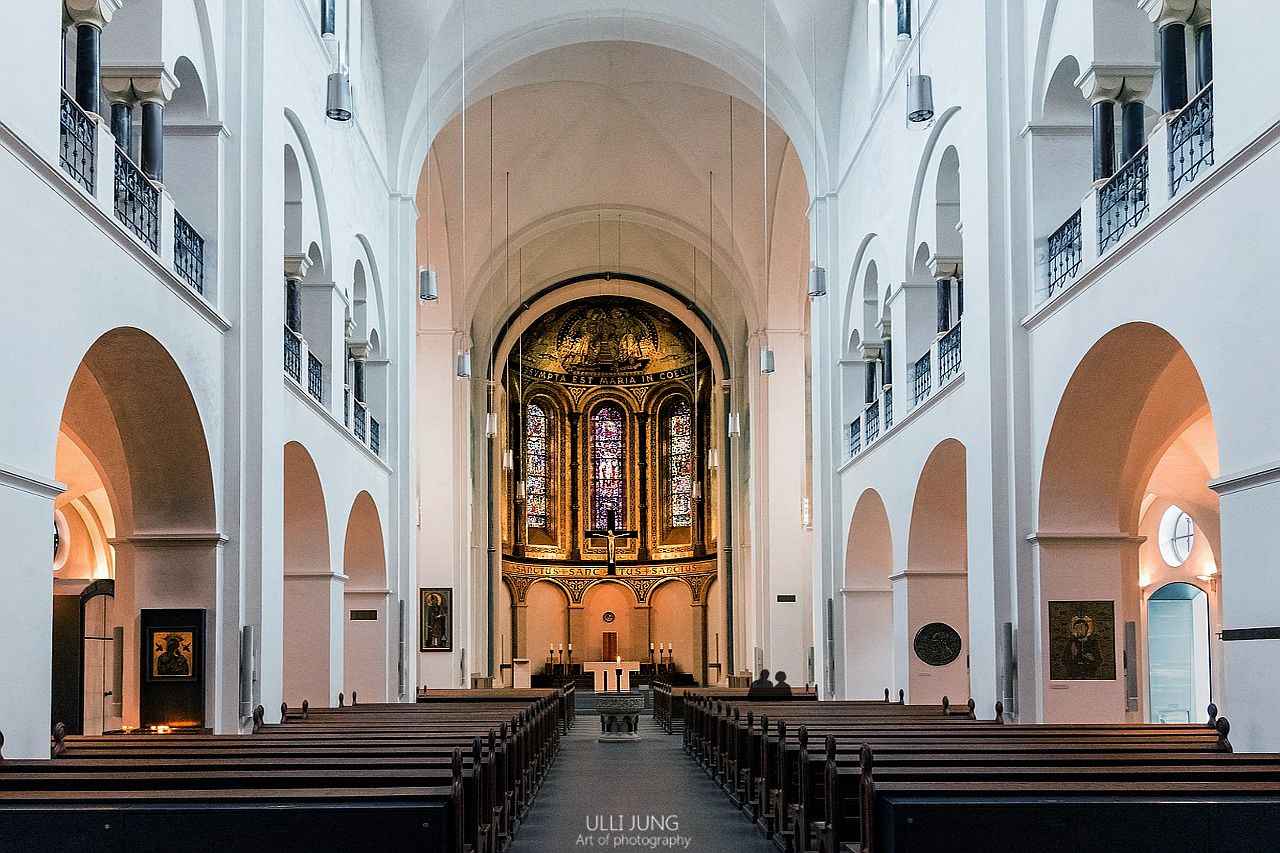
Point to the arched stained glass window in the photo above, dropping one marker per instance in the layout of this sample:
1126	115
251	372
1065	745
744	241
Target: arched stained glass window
537	464
607	459
680	464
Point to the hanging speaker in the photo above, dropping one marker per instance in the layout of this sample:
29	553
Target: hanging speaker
428	291
464	365
817	281
767	363
919	98
338	104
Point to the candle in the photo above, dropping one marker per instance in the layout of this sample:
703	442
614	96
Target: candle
651	647
571	647
562	647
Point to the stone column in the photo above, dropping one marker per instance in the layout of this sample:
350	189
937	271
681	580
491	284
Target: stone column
642	454
698	654
575	442
1202	21
1133	120
520	631
295	270
119	89
1170	17
946	271
1102	87
154	87
89	17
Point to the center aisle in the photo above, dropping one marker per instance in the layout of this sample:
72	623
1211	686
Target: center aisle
631	796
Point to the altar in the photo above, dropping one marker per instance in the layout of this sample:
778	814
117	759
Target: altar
606	674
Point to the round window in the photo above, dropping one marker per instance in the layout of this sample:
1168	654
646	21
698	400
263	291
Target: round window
1177	536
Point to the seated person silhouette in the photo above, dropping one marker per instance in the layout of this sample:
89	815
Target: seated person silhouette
780	687
761	686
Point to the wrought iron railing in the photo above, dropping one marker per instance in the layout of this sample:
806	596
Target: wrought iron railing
315	376
921	379
79	155
888	408
375	435
1066	252
358	421
1191	140
137	201
872	415
949	354
188	253
855	437
1124	201
293	354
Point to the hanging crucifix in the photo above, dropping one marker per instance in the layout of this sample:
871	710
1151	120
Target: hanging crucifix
611	534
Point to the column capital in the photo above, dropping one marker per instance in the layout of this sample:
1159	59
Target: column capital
1202	14
1110	82
150	83
1165	12
117	82
295	267
1137	85
946	266
98	13
359	349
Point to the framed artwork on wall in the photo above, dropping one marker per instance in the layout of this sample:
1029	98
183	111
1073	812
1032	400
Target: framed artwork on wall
1082	640
435	615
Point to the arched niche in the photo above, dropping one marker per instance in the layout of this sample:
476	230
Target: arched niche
867	597
313	591
367	630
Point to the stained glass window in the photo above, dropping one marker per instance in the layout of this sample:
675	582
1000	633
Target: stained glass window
607	459
680	464
537	459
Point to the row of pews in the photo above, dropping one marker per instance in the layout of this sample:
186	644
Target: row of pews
669	700
454	772
875	777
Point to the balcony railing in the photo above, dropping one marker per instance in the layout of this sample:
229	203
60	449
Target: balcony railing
1191	141
949	354
375	436
872	416
358	422
293	354
888	408
137	201
1066	253
922	379
188	253
1124	201
855	437
315	376
79	153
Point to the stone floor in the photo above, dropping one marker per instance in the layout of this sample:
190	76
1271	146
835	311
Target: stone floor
642	796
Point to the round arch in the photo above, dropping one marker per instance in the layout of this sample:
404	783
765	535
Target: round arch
366	632
312	589
868	600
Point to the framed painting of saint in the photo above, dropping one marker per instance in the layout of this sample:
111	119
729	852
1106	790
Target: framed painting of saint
1082	640
435	606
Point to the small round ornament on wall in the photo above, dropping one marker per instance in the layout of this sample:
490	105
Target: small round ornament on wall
937	644
608	616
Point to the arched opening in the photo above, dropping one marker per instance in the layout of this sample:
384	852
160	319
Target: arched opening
931	597
1111	492
868	601
313	591
609	625
367	632
674	620
1178	668
136	555
548	630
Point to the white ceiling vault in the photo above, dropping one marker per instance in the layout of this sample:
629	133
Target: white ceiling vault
611	120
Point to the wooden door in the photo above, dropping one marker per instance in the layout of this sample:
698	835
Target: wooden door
610	645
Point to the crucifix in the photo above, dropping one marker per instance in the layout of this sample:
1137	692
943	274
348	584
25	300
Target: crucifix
611	534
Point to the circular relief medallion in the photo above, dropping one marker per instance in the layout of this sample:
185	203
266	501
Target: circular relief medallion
608	616
937	644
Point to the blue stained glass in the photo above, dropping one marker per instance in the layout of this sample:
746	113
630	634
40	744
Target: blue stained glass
607	453
680	464
537	451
